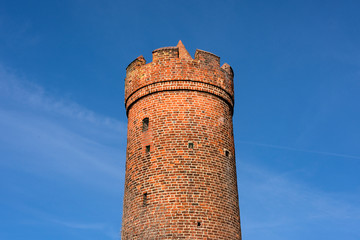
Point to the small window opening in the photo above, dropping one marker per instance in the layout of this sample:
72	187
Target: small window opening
191	145
145	125
227	153
198	224
147	149
145	198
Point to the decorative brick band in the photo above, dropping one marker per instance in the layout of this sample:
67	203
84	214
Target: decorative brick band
176	85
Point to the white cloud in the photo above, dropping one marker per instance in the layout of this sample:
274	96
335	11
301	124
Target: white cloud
301	150
274	203
23	92
45	135
44	219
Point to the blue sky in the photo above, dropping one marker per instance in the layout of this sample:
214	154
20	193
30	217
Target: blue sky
63	122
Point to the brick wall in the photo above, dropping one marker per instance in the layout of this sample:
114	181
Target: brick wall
180	168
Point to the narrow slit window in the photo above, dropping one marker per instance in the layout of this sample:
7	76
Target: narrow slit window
145	124
198	224
227	153
145	198
147	149
191	145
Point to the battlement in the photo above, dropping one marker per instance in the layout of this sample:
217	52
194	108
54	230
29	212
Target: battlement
175	64
165	53
207	58
227	68
138	62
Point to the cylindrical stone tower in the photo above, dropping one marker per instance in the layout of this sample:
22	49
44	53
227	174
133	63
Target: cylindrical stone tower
180	164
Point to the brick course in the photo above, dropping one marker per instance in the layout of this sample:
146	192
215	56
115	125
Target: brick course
185	187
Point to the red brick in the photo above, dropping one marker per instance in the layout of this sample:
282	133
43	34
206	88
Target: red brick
173	189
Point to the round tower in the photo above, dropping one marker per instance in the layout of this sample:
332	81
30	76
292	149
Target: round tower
180	164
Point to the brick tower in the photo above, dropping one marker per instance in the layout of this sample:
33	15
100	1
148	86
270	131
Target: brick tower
180	166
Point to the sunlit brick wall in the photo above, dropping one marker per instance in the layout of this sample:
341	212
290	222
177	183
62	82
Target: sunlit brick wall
180	168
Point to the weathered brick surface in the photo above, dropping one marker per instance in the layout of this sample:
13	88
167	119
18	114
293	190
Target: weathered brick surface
175	191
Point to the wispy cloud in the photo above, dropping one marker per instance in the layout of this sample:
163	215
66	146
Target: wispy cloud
40	218
275	203
106	230
52	147
18	89
301	150
46	135
76	225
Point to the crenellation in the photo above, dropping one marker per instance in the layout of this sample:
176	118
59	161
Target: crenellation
207	58
176	64
165	53
227	68
136	64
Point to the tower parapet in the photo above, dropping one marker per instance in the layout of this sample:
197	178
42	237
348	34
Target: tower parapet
173	68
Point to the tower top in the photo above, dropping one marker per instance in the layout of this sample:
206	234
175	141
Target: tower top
176	64
179	51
